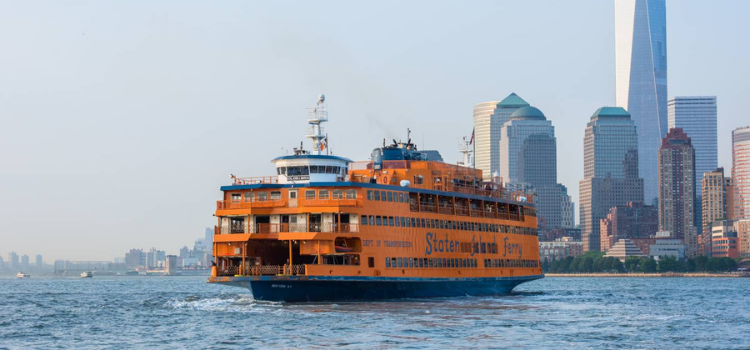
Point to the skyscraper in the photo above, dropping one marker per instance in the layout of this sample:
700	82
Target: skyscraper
528	156
641	78
39	261
489	118
741	172
25	262
677	189
13	262
528	131
696	116
610	170
634	221
716	190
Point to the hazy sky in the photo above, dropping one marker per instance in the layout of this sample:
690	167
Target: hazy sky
120	120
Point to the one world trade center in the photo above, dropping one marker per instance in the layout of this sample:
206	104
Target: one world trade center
641	79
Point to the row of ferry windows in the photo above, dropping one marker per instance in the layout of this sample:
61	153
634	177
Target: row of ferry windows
335	194
387	196
309	194
430	263
396	221
510	263
312	169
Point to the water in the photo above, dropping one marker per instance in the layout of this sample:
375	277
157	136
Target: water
185	312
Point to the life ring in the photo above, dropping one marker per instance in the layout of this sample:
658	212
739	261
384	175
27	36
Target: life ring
384	179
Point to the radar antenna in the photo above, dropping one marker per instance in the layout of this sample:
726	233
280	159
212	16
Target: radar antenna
317	116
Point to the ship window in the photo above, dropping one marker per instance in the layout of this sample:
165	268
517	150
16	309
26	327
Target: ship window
378	221
387	262
372	220
249	196
403	223
401	197
338	194
351	194
275	195
400	262
262	196
371	262
309	194
390	221
411	262
369	195
323	194
377	195
393	262
364	220
382	196
423	223
413	224
236	197
313	169
390	196
398	223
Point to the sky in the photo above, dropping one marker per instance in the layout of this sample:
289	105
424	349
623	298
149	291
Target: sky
120	120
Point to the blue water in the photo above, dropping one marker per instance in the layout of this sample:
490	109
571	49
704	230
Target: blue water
185	312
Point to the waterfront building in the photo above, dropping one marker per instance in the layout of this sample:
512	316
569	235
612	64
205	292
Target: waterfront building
715	202
489	118
633	220
641	78
724	239
610	170
567	211
623	249
677	188
560	249
696	116
743	236
25	262
667	247
13	262
39	262
135	258
741	173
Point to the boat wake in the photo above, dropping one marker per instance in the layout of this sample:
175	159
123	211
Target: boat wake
224	303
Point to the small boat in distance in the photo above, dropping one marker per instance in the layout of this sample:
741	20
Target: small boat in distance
87	274
22	275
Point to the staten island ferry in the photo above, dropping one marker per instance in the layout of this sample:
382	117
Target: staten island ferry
403	224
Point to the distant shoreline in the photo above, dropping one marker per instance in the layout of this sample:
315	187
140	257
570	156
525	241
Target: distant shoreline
667	274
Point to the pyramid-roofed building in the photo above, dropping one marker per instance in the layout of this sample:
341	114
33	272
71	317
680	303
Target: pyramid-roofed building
623	249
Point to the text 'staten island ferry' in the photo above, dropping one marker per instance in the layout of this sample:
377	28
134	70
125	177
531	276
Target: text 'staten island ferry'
402	225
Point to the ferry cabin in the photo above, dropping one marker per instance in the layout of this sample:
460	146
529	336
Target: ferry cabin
408	215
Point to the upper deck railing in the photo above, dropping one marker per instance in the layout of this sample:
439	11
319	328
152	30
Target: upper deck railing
255	180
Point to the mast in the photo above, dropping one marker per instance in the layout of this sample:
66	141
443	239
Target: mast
318	115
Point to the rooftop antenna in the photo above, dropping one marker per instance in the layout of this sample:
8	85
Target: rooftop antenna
467	152
317	116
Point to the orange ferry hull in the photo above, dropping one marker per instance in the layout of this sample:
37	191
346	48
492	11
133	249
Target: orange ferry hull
325	288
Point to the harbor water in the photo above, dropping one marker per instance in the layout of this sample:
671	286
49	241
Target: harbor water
186	312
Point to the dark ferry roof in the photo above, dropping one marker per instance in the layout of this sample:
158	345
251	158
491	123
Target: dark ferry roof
312	156
374	186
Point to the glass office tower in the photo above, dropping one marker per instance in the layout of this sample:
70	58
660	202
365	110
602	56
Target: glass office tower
641	78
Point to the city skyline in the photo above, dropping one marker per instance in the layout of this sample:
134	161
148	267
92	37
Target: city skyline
132	152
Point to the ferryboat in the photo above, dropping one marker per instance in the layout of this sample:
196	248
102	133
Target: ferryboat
403	224
22	275
87	274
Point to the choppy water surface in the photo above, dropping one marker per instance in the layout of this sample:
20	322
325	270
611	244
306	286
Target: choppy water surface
185	312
